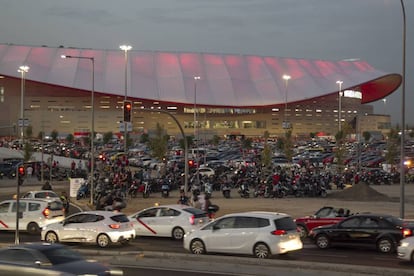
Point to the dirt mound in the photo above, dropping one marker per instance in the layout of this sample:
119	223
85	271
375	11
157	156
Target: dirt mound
360	192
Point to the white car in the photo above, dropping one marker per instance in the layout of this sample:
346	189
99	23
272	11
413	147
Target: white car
261	234
100	227
35	213
206	171
168	221
405	249
43	194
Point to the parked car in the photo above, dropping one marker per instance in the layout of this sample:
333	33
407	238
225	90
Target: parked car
206	171
7	169
35	214
383	232
44	259
324	216
168	220
43	194
259	233
405	249
100	227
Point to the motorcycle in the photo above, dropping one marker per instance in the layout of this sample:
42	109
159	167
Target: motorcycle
83	191
145	189
165	190
226	191
244	190
263	191
133	189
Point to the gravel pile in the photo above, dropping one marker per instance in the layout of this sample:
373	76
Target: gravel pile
360	192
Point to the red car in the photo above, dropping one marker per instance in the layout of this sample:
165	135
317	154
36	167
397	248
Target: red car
324	216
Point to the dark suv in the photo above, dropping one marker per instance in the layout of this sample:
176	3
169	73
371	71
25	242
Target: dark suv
7	170
380	231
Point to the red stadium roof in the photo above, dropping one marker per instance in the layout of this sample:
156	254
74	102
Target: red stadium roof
225	80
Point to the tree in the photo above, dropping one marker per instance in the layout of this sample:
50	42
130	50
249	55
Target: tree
215	140
266	158
288	145
27	151
54	135
107	137
41	135
392	146
367	136
340	137
159	143
70	138
189	141
144	138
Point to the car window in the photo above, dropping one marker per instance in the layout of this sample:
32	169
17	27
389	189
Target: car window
194	211
251	222
34	206
120	218
61	255
369	223
324	212
22	206
148	213
168	212
350	223
226	223
285	223
55	205
75	218
4	208
89	218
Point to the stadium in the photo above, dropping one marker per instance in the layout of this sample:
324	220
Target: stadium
208	94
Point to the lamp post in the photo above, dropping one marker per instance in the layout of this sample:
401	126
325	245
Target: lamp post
402	145
125	48
22	70
385	105
92	60
340	105
196	78
285	124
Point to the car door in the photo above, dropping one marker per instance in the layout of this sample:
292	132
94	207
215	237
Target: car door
244	234
165	221
89	226
145	222
7	218
70	229
24	217
345	231
217	236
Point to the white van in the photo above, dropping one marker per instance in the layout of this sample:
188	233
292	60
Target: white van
34	214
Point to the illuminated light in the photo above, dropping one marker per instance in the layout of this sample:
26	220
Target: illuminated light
171	107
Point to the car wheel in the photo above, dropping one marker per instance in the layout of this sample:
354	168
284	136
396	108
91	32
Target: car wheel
33	228
412	257
303	232
51	237
103	240
385	245
177	233
197	247
322	241
261	251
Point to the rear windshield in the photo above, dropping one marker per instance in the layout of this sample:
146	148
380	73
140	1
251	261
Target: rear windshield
120	218
195	211
285	223
55	205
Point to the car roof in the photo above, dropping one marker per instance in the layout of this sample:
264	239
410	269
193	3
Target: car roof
100	212
266	214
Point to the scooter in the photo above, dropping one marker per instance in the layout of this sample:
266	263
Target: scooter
165	190
244	191
226	191
145	189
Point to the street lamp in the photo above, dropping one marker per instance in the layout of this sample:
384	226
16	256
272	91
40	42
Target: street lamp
92	60
285	124
340	105
385	105
196	78
125	48
22	70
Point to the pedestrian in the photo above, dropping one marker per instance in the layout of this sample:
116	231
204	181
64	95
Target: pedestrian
65	201
47	186
29	171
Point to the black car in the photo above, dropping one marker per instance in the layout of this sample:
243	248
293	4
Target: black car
45	259
380	231
7	170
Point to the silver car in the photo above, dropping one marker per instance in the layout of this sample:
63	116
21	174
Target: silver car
261	234
100	227
168	220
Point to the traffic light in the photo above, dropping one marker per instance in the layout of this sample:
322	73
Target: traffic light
21	172
127	111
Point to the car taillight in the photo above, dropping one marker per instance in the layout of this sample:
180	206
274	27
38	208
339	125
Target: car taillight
407	232
46	212
114	226
278	232
192	220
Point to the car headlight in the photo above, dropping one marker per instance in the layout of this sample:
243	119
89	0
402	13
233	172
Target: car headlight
404	244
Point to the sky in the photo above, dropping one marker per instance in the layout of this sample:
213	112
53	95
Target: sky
370	30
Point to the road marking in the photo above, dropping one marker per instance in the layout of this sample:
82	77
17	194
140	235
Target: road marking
5	225
146	226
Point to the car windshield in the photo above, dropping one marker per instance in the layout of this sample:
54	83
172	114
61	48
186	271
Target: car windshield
395	221
285	223
61	255
194	211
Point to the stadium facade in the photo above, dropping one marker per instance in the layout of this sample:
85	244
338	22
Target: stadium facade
235	94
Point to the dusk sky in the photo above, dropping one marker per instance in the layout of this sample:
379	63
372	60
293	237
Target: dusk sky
370	30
